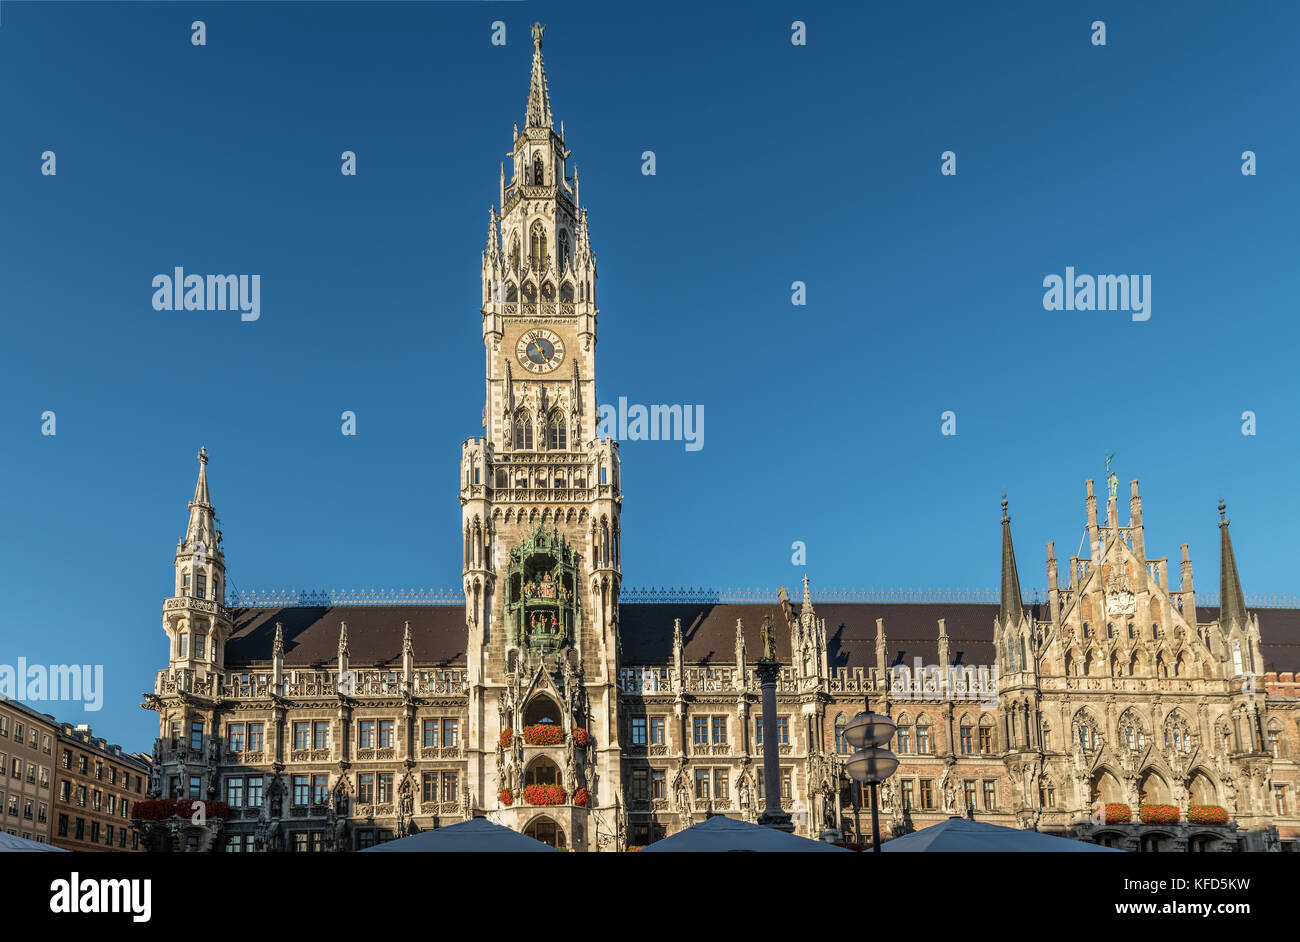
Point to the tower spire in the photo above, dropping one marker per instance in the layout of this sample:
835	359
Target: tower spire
1232	602
539	101
1012	608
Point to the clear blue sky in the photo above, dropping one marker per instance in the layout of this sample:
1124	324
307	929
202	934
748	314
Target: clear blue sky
775	163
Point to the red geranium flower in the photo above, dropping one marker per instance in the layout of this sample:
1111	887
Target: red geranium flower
543	734
581	737
507	797
1207	814
507	736
544	794
580	797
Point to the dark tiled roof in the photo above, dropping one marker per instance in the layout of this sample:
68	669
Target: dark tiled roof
311	635
438	633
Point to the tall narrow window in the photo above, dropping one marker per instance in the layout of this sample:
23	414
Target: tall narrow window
559	439
523	432
539	170
564	256
537	248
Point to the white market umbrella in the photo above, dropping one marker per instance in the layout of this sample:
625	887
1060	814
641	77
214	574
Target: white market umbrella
477	835
721	833
960	835
10	843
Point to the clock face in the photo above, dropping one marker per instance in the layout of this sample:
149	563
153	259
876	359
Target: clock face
540	351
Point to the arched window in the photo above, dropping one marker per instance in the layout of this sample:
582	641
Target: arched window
1047	736
841	744
1085	731
523	432
514	252
1178	736
1236	657
548	291
537	247
512	292
564	249
1132	734
903	735
566	292
1275	739
539	171
923	742
557	434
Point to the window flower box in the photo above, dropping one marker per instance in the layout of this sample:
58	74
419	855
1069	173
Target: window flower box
1116	813
507	797
543	734
1158	814
580	797
544	794
1207	814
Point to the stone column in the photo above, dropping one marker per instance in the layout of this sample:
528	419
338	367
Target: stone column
773	816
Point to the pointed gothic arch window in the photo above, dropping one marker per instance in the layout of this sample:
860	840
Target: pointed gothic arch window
557	433
512	292
548	291
566	292
514	252
523	432
539	170
537	247
564	249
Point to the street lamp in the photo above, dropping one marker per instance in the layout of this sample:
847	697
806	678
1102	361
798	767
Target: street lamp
872	763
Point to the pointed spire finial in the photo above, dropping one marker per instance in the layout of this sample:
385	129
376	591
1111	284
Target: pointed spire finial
1232	601
539	102
277	647
1012	608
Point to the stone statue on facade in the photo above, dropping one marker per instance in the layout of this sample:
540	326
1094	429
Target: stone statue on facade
769	639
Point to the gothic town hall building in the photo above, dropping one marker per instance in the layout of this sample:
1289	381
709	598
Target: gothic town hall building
1119	712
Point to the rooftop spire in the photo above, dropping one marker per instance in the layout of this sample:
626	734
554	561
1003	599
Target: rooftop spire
539	102
1232	602
201	533
1012	608
201	489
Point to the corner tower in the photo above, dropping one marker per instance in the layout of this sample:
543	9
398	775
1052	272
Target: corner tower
539	491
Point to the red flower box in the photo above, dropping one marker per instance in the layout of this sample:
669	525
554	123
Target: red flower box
544	794
581	738
507	797
543	734
507	736
1207	814
1158	814
580	797
1118	813
155	809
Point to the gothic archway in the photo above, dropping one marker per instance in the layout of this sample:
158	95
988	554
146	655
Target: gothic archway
546	830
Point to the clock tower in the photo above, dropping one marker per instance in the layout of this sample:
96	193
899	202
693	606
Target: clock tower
540	503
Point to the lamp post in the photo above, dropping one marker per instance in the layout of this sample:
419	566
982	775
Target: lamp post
872	763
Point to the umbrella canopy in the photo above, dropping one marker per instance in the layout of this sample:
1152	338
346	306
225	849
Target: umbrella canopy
721	833
474	835
10	843
959	835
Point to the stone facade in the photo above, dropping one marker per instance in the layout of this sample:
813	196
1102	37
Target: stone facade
550	705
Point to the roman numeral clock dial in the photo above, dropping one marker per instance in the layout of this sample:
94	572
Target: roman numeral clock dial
540	351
